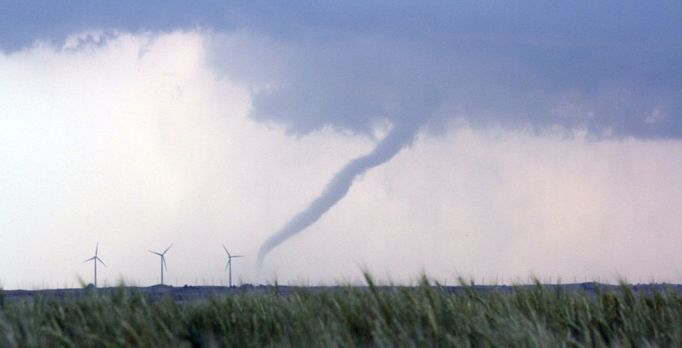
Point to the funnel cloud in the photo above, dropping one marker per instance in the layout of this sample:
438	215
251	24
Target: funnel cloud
400	136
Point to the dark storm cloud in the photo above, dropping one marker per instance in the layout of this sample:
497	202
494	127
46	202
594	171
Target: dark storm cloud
611	67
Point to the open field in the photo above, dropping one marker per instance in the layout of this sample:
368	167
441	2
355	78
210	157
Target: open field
535	316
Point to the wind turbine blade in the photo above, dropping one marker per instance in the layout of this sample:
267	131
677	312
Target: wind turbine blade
102	262
88	260
163	259
237	255
228	253
165	251
227	265
96	248
154	252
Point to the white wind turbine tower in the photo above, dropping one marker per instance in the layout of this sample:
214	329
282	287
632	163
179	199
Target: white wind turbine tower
228	266
163	260
95	259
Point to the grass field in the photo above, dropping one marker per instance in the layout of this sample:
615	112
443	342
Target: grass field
426	315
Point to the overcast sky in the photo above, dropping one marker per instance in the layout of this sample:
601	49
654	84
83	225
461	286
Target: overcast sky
471	139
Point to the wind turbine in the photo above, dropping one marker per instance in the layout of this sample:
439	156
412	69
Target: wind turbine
163	260
228	266
94	259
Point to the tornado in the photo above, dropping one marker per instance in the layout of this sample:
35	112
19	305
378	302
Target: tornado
401	134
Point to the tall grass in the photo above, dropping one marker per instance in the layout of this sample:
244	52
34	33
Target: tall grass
348	316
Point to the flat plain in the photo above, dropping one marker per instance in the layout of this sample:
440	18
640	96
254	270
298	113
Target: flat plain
468	315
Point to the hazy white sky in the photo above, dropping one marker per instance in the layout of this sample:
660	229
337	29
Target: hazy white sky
139	141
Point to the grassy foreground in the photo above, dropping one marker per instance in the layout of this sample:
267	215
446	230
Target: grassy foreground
372	316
